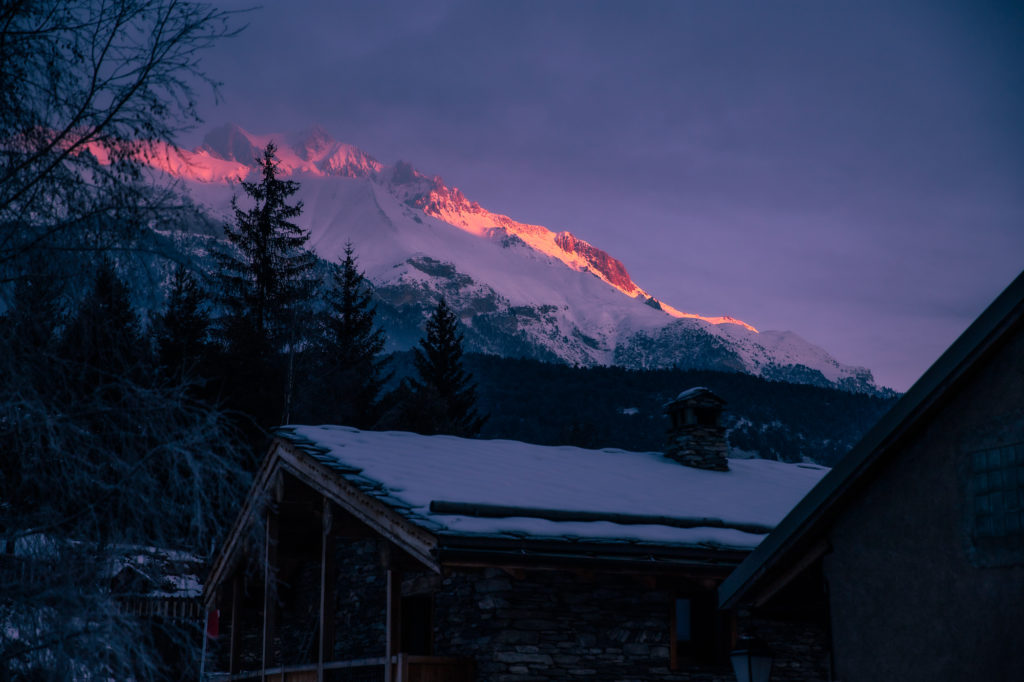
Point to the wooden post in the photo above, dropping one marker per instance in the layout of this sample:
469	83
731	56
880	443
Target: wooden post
325	551
394	621
235	643
269	590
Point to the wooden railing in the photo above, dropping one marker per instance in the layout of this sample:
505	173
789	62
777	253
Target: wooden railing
405	668
432	669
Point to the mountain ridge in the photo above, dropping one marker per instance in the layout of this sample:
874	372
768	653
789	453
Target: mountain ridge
519	288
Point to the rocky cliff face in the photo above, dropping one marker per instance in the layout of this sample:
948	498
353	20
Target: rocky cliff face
610	268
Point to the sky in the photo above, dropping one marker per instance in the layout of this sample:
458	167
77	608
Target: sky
849	171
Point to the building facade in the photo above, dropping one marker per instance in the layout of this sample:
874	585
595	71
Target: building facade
393	556
909	555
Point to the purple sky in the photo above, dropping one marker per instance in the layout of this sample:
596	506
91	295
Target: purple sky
853	172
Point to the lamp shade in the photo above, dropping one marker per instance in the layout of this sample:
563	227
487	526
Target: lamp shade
751	660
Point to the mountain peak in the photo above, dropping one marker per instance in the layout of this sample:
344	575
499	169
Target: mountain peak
313	151
230	143
523	289
311	143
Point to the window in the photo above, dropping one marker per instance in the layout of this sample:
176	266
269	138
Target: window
995	505
417	625
698	635
682	622
707	416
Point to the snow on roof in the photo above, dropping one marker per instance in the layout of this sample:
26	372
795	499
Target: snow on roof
691	392
410	471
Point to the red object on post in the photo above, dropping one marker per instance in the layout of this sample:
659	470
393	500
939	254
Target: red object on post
213	624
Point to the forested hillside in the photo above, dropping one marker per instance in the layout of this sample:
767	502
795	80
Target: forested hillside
614	407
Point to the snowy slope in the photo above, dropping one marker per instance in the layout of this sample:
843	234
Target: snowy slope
521	289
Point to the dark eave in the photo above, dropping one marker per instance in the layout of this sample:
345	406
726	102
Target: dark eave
498	511
462	550
812	516
363	499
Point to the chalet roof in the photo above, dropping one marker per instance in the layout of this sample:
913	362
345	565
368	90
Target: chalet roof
795	539
508	489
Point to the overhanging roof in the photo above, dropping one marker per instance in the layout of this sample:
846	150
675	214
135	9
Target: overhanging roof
797	533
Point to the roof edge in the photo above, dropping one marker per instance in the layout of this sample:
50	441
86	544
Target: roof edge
456	549
825	498
497	511
289	453
254	502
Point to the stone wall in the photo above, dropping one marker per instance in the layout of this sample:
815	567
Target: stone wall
800	650
361	598
551	625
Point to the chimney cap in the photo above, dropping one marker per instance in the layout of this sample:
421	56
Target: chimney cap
695	392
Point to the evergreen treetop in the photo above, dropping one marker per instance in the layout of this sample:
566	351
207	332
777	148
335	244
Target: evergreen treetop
270	272
104	334
180	332
353	336
442	377
351	369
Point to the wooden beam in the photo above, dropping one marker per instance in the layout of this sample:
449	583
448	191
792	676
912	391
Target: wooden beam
235	643
269	589
325	542
251	508
816	551
394	623
416	541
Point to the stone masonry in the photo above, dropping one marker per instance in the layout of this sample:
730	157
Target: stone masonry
696	436
554	625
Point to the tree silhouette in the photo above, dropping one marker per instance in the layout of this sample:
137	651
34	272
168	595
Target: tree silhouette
104	335
443	382
265	285
267	275
94	459
180	332
350	371
87	90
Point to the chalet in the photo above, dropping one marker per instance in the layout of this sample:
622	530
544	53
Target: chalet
394	556
909	555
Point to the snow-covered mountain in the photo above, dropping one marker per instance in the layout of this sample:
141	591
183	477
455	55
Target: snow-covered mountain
520	289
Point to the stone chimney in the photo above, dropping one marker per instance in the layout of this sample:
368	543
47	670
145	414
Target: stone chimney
696	436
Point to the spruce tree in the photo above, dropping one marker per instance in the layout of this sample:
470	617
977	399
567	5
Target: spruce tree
180	332
269	273
442	379
36	315
104	336
351	370
266	280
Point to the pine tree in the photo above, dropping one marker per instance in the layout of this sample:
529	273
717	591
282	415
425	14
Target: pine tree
265	284
442	378
269	275
36	315
351	370
180	332
104	335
